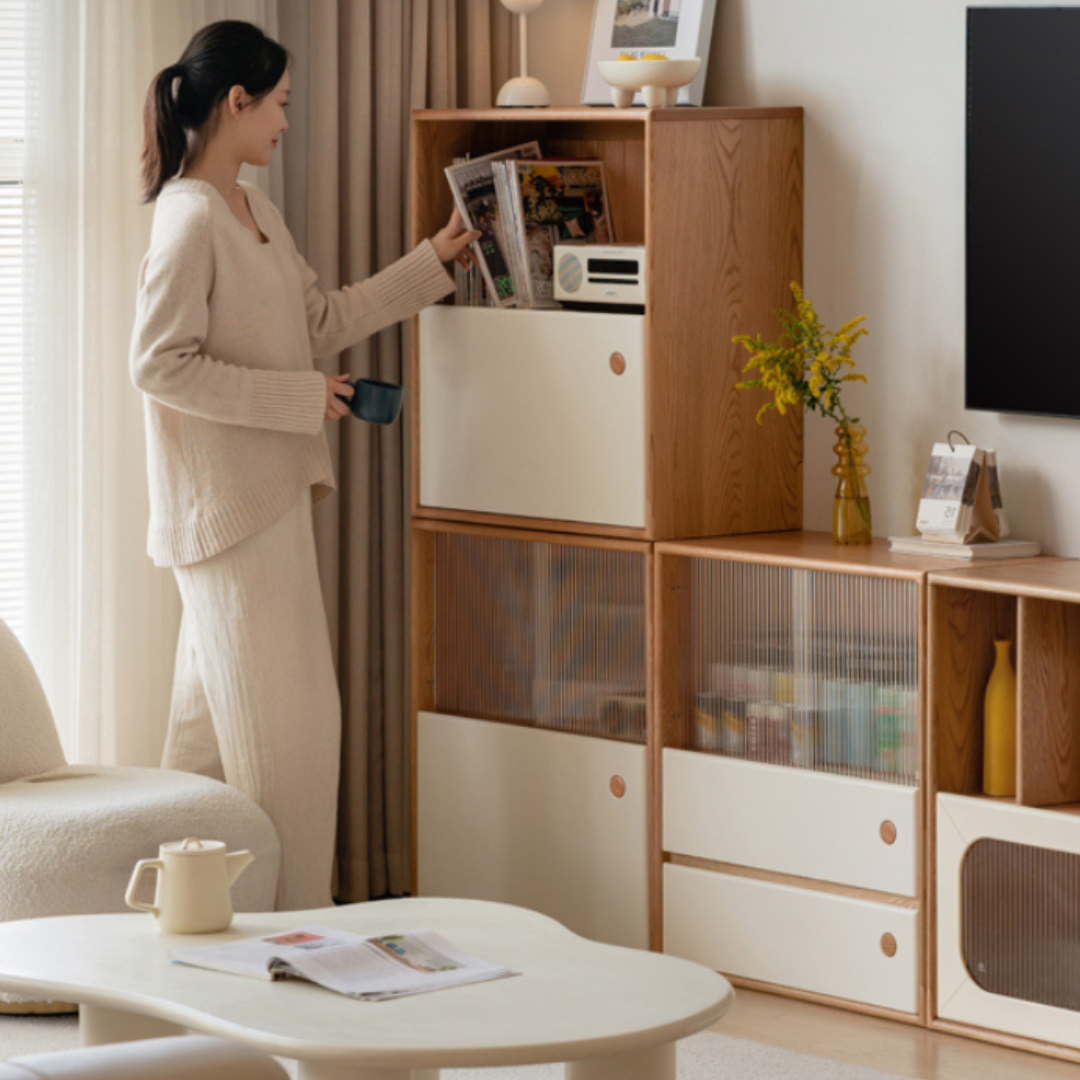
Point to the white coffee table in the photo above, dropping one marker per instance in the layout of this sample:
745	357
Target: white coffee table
610	1013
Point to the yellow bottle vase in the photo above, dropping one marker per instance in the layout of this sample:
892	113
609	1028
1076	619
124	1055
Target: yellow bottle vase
999	726
851	503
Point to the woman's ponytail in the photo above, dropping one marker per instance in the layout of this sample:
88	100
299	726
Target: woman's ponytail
184	98
164	138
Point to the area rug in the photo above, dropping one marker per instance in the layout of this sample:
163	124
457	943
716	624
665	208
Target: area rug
707	1056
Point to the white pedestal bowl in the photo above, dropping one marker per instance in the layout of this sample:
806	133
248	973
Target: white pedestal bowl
658	80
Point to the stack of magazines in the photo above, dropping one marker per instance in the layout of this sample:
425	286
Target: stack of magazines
369	968
523	204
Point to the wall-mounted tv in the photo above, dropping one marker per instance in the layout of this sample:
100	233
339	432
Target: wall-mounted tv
1023	210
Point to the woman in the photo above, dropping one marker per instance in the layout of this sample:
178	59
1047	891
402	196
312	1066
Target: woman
228	320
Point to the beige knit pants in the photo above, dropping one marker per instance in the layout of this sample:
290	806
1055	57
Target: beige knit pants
255	698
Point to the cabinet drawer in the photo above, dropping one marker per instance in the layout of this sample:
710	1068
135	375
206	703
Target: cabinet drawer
522	412
528	817
807	940
791	821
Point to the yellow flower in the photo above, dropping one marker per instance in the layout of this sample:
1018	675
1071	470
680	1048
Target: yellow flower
803	366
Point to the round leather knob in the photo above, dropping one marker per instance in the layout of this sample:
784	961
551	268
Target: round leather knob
617	786
618	363
888	944
888	832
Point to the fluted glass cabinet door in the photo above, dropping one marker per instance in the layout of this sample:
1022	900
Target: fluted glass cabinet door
544	634
805	668
1008	891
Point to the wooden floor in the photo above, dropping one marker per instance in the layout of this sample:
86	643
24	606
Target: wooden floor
881	1044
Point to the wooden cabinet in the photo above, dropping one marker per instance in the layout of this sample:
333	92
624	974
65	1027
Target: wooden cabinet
519	418
1007	870
790	680
531	667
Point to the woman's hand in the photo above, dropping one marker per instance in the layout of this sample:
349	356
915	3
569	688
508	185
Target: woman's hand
452	241
335	407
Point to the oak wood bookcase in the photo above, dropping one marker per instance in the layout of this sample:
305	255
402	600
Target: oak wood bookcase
544	469
715	195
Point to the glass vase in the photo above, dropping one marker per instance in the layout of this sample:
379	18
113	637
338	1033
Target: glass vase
851	504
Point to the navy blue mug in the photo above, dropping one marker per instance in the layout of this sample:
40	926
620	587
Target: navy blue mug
375	401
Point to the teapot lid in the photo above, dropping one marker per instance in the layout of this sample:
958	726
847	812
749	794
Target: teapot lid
192	846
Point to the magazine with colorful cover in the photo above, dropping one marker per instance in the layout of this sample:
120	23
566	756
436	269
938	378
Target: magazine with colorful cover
473	187
556	200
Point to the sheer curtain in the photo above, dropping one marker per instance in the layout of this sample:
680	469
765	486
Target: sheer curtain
101	620
361	67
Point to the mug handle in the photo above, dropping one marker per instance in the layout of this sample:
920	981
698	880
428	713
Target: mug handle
129	897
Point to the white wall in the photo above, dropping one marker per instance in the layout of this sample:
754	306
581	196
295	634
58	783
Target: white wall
883	88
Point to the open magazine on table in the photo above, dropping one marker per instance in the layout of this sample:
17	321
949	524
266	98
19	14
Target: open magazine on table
370	968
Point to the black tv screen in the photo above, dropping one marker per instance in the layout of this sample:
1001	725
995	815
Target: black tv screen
1023	211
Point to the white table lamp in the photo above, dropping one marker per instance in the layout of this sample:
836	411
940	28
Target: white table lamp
523	91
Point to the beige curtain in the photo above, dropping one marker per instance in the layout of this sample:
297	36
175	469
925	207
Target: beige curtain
360	67
101	619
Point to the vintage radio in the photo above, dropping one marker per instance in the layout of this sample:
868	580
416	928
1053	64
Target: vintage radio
600	274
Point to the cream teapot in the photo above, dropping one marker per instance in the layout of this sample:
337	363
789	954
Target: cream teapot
193	882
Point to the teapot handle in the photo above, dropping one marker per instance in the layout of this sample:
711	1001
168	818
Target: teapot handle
133	885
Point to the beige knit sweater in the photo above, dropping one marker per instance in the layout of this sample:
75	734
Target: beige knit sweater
225	331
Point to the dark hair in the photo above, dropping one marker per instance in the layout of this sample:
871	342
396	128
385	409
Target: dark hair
184	97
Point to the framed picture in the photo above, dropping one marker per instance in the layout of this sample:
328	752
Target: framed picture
680	29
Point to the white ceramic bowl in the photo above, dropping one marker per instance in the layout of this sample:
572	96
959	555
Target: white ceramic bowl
658	80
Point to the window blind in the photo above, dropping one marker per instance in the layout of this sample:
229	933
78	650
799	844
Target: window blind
12	269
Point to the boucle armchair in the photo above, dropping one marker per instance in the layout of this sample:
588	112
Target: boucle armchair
70	835
183	1057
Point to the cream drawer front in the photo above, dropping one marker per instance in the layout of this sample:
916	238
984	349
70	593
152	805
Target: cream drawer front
1044	954
808	940
521	413
527	817
791	821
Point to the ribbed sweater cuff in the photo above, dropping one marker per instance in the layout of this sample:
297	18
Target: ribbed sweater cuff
289	401
413	282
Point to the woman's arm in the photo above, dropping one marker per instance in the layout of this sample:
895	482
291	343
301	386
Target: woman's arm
168	361
345	316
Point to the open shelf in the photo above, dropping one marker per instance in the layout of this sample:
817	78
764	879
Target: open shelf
621	138
1036	606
